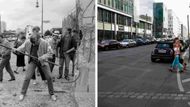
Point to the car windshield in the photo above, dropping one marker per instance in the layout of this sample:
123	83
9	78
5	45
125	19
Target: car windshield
105	41
125	40
164	45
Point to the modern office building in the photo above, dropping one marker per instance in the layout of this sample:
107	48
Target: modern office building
174	25
160	21
117	20
184	32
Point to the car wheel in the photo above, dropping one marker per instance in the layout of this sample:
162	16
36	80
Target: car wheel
153	60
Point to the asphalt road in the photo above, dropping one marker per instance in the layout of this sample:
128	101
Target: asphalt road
128	78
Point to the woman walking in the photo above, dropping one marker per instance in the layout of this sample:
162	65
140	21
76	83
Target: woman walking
20	57
176	65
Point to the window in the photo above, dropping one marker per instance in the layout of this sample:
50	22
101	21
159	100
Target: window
105	2
121	19
109	4
100	15
99	1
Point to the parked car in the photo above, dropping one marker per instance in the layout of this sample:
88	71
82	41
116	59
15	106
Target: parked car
128	43
163	51
109	44
140	42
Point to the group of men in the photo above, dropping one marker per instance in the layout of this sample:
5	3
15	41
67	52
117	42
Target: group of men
64	48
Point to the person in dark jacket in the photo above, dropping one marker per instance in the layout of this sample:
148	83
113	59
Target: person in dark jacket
6	56
64	46
20	57
75	41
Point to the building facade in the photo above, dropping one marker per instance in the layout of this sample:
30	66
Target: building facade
174	25
3	26
160	21
116	21
184	32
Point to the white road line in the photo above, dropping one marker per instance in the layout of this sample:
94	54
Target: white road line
186	80
180	86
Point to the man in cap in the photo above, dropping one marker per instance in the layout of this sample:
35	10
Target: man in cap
6	56
40	49
75	40
64	45
53	42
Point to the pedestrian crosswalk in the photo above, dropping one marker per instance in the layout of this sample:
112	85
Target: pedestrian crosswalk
151	96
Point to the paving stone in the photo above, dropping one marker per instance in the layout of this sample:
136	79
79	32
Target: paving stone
184	98
140	97
145	94
155	97
126	96
181	95
130	93
174	95
162	97
133	96
147	97
177	98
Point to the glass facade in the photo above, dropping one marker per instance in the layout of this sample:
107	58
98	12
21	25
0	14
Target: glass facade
158	19
125	6
117	26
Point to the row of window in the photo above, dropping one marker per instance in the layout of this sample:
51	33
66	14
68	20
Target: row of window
121	5
109	17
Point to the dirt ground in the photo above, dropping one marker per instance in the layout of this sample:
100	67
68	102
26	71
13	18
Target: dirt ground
77	94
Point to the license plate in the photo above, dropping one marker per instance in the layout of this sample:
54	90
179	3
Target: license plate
162	51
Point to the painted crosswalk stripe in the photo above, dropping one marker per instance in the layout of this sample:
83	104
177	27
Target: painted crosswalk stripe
186	80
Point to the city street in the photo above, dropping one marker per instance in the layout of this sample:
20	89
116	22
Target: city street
128	78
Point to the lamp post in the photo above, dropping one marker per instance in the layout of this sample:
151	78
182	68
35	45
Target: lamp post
42	17
0	23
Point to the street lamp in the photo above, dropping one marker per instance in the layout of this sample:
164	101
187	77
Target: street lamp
37	5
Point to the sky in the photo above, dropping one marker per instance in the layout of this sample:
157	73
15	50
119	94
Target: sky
146	7
19	13
180	7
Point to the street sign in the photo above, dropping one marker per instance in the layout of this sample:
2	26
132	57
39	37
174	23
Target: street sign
46	21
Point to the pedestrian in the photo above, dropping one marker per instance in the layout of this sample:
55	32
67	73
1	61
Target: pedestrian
53	42
176	65
40	49
64	45
6	56
75	40
20	62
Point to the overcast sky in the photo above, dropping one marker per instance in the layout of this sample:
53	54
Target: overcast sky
180	7
146	7
19	13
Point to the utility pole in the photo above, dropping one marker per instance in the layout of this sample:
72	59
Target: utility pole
188	26
0	24
42	29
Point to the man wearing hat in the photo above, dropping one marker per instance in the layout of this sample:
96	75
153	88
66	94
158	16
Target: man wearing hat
53	43
6	56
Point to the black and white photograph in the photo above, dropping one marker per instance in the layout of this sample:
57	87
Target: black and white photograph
47	53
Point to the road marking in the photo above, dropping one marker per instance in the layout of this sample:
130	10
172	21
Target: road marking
186	80
154	96
180	86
